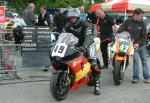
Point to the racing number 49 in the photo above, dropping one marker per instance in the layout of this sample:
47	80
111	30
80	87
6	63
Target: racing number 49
59	49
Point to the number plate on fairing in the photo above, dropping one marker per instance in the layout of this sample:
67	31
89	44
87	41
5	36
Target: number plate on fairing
59	50
123	48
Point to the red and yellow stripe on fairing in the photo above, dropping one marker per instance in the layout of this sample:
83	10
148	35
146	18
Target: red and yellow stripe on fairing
82	73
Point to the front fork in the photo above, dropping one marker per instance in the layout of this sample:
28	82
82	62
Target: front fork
125	61
124	64
66	79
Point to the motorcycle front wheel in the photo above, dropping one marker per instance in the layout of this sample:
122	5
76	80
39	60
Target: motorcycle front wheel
59	85
118	72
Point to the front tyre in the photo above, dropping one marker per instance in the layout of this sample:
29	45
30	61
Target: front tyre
118	72
59	85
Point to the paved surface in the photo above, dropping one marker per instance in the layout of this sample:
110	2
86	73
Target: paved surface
39	92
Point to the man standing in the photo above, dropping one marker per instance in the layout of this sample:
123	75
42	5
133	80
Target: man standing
91	17
60	20
44	17
106	33
83	15
119	20
29	16
137	29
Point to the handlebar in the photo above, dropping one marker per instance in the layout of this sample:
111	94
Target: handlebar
77	49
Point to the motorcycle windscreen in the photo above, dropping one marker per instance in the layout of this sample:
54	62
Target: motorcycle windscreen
65	45
124	42
124	36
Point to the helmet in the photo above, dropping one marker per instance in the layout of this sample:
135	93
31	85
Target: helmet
73	12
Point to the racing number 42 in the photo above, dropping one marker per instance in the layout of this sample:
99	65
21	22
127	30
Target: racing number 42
124	48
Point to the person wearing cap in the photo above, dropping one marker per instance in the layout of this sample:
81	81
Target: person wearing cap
83	31
29	16
137	29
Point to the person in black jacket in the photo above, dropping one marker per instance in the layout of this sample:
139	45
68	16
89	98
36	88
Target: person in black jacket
137	28
44	17
119	20
106	23
60	20
83	31
44	20
91	17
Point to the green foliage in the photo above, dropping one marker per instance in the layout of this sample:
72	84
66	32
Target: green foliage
20	5
57	3
64	3
99	1
87	6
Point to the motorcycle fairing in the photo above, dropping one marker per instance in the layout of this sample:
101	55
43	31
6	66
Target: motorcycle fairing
81	68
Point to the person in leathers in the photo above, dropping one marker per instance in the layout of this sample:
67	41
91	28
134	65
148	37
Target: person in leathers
83	31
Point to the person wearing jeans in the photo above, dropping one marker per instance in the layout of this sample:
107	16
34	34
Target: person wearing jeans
140	52
137	29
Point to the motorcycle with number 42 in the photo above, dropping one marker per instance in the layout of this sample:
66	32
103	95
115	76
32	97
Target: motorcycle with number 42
120	54
71	68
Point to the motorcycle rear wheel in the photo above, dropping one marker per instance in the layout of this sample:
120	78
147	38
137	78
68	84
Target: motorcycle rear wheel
59	86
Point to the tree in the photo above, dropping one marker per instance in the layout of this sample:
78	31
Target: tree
99	1
20	5
58	3
89	2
